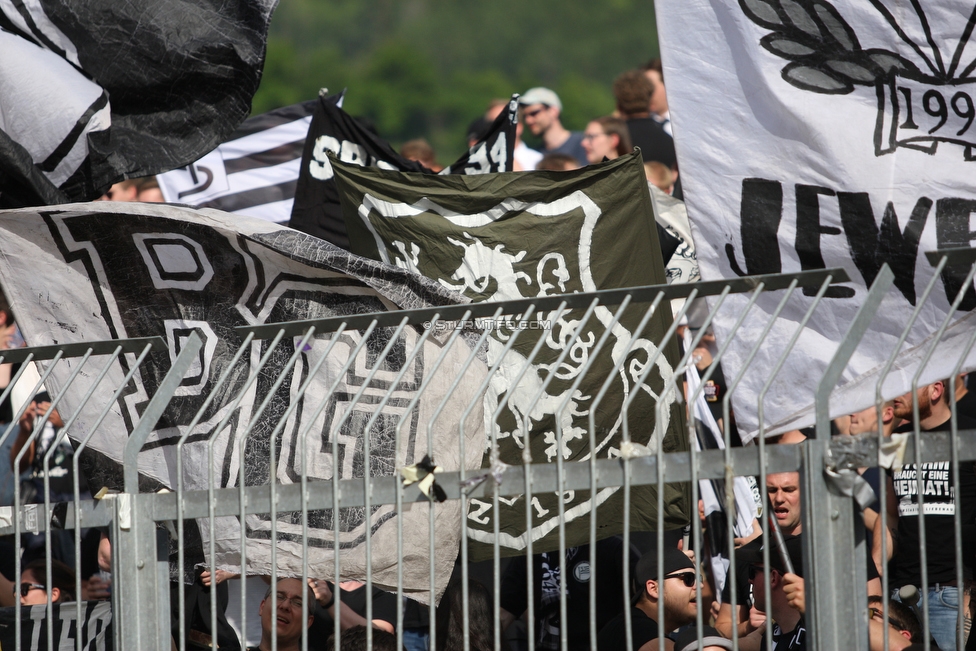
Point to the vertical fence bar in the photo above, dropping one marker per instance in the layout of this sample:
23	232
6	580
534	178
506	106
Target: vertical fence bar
830	535
140	591
920	494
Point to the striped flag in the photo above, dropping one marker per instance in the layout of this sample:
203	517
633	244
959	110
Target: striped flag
254	173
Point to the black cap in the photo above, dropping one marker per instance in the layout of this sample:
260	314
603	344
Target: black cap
687	640
752	554
674	560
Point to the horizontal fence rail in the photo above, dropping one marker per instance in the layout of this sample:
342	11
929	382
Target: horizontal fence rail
377	448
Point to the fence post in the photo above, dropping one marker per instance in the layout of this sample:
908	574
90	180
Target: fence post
834	553
141	576
142	570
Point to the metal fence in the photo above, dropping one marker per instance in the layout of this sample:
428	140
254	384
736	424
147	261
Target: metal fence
283	509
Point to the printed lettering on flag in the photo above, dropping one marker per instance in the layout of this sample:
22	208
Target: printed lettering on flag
254	173
333	131
822	133
121	270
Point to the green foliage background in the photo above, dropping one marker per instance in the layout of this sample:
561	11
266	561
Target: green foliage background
427	68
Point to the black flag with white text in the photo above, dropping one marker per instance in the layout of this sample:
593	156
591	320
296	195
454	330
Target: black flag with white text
316	210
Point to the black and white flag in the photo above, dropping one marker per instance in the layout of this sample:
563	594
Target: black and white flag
709	436
522	235
99	91
254	173
95	627
108	270
838	133
316	210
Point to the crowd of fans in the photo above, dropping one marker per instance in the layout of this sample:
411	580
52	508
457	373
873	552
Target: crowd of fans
766	617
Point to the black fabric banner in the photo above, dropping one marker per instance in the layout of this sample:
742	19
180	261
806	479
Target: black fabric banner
95	629
102	90
317	211
499	237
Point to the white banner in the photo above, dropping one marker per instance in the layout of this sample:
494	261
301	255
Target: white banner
825	133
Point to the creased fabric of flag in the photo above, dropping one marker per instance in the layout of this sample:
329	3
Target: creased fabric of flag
496	237
254	173
94	92
316	210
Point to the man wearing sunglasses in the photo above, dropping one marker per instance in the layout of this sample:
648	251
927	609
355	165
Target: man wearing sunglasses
540	110
674	585
903	627
789	629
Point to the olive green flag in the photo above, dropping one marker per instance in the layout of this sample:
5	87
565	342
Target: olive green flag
497	237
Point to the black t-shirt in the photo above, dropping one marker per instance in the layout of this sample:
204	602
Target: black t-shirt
654	142
942	499
384	608
795	640
513	596
6	407
613	636
966	405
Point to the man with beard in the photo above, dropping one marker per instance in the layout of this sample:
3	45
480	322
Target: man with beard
942	500
541	109
674	584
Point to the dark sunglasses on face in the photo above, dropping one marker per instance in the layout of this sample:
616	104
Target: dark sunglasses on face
532	114
878	614
688	578
25	588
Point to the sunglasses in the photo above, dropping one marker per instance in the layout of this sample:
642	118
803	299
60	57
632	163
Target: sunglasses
532	114
878	614
688	578
25	588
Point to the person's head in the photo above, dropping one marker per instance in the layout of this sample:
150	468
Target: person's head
674	584
6	314
127	190
147	190
451	619
290	614
784	499
420	150
558	163
33	583
540	109
494	110
903	626
752	556
654	71
866	420
660	176
354	639
606	137
633	91
933	404
712	640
